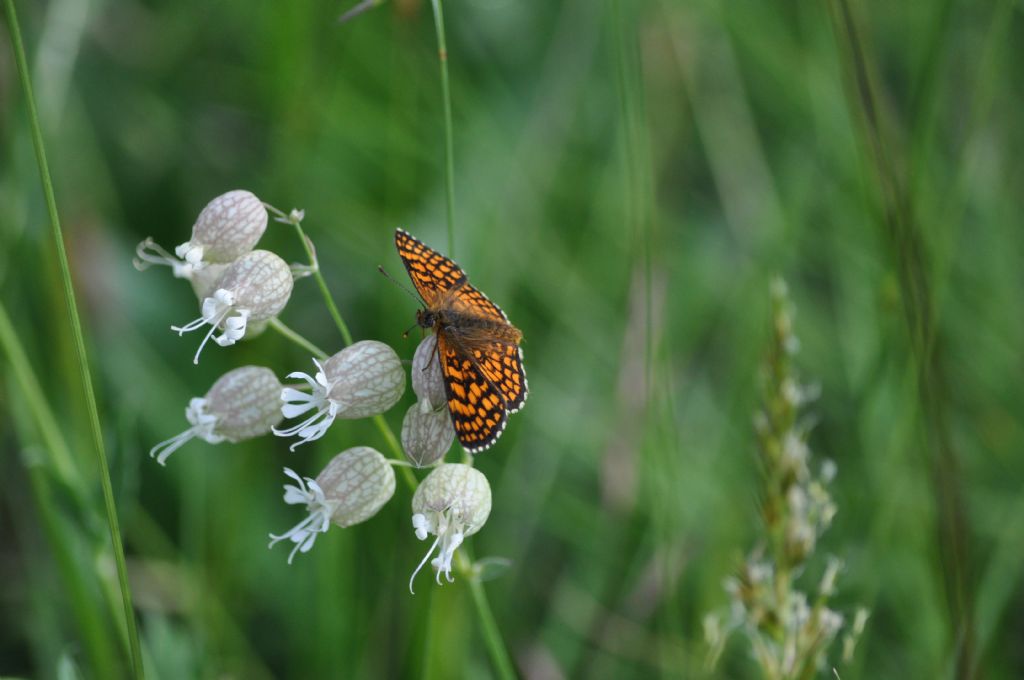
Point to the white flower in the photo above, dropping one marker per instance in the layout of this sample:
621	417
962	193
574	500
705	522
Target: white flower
453	502
149	253
241	405
351	489
255	287
362	380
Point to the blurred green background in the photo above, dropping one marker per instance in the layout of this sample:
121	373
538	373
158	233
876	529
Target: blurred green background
629	175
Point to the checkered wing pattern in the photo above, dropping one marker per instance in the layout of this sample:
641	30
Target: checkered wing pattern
475	401
432	273
468	298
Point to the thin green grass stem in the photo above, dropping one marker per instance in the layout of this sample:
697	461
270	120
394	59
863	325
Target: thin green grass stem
449	146
488	625
910	253
324	291
298	339
79	339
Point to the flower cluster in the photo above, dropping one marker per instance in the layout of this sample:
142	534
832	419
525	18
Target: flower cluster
790	632
241	290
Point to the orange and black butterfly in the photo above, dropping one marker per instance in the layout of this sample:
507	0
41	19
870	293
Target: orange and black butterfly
479	349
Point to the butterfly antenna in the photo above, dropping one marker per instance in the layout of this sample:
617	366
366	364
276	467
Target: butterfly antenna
398	284
392	279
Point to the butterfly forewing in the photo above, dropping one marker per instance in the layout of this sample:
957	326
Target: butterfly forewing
432	273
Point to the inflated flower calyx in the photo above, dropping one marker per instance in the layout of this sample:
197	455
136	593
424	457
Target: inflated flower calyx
227	228
362	380
205	279
427	380
351	489
426	436
242	404
255	287
453	502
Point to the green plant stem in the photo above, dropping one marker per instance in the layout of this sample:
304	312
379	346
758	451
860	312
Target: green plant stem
298	339
378	420
328	300
488	625
79	339
449	146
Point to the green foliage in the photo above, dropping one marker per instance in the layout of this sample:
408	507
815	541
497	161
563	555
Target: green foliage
628	176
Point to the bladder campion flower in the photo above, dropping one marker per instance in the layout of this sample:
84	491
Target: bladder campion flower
453	502
255	287
362	380
227	228
242	404
351	489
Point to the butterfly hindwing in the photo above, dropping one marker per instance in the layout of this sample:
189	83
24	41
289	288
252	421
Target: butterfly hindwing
475	403
502	364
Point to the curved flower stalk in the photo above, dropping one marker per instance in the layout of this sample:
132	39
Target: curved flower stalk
362	380
242	404
453	502
255	287
353	487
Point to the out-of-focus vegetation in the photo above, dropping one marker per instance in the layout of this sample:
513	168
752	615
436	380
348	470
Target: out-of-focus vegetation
629	176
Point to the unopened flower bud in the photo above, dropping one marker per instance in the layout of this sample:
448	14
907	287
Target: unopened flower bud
227	228
453	502
362	380
255	287
242	404
351	489
427	380
426	437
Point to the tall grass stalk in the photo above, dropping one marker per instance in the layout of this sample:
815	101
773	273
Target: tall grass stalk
912	264
79	340
449	146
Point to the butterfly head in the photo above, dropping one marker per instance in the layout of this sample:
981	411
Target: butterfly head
426	318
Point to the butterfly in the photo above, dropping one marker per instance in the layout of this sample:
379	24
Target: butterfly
481	361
